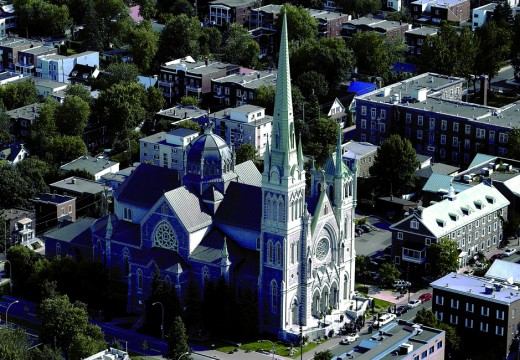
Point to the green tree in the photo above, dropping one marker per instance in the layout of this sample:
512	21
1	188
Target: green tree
5	127
144	44
265	98
42	18
184	32
515	47
66	148
239	47
210	40
43	129
363	265
323	355
428	318
313	82
443	257
246	152
321	139
301	26
38	171
389	272
147	8
87	343
14	343
188	124
394	166
189	101
22	260
494	48
359	7
20	189
45	352
116	74
513	142
72	116
177	340
80	91
18	94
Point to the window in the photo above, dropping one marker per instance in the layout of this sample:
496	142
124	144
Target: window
502	137
420	120
470	307
58	250
278	253
382	127
484	311
399	235
363	110
444	124
373	113
70	209
499	330
500	314
363	124
274	296
419	134
270	252
127	214
428	241
455	141
439	300
481	133
469	323
414	224
439	315
454	319
383	113
454	303
408	118
467	129
484	327
165	237
439	345
424	354
432	124
513	313
431	350
139	280
456	126
443	139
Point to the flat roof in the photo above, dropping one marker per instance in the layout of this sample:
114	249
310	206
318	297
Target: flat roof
13	213
39	50
79	185
49	83
180	111
53	198
271	8
224	115
25	112
90	164
355	149
252	80
476	287
423	30
232	3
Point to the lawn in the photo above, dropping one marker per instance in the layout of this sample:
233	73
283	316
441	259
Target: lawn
279	347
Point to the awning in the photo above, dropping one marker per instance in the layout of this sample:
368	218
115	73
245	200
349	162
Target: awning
24	221
462	254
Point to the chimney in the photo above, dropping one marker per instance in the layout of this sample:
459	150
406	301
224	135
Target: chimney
206	61
185	114
73	180
484	83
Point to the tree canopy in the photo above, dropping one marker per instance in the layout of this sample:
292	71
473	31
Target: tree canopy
443	257
177	340
394	166
144	44
301	26
246	152
239	47
184	32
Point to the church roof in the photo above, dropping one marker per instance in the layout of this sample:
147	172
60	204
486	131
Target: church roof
189	208
212	194
330	165
146	184
210	146
164	259
248	173
241	207
73	231
124	232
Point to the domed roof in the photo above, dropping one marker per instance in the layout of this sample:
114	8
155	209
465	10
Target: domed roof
211	146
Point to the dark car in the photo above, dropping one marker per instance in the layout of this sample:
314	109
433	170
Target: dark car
401	310
497	256
365	227
359	230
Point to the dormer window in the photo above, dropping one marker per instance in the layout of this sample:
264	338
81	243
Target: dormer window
465	210
478	204
490	199
454	217
414	224
441	222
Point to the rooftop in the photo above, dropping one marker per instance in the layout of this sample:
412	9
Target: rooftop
504	270
29	112
52	198
232	3
252	80
488	7
11	214
478	287
91	164
225	115
182	112
423	30
354	149
79	185
72	230
39	50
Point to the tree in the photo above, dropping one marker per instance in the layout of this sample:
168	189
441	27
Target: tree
513	142
239	47
363	265
116	74
359	7
320	141
246	152
18	94
323	355
313	82
43	129
5	127
45	352
42	18
265	98
66	148
428	318
87	343
38	171
72	116
22	259
184	32
20	189
301	26
210	40
443	257
394	165
494	48
14	343
147	8
189	101
189	124
80	91
177	340
389	272
515	47
64	323
144	44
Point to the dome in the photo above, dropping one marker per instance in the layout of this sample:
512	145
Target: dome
210	146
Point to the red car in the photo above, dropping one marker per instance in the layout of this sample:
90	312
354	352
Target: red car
425	297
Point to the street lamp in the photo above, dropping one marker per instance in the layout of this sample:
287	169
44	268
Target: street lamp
186	353
272	344
7	311
10	275
162	319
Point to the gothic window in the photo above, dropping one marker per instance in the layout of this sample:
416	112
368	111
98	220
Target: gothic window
292	253
205	275
126	262
274	296
168	280
165	236
322	249
58	250
342	253
278	253
280	211
345	288
139	280
164	209
270	252
309	269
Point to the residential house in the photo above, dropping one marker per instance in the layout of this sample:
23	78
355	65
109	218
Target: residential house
394	5
20	225
244	124
223	12
27	59
7	77
187	77
51	209
9	49
415	38
50	88
21	120
91	196
7	22
112	181
338	112
95	166
424	173
329	22
83	74
483	311
110	354
58	67
472	218
362	154
240	88
435	11
481	15
181	113
391	30
166	149
227	221
13	153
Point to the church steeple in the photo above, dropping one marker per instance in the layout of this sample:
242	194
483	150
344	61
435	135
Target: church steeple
339	155
283	143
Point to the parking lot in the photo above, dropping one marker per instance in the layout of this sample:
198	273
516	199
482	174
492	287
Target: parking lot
376	240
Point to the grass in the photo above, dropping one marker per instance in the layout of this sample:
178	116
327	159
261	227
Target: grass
280	348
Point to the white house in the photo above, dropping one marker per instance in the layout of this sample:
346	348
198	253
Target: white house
95	166
13	153
58	67
481	14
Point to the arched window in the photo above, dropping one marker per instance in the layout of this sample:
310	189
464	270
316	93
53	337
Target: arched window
274	296
58	250
168	280
270	251
139	280
278	253
309	268
165	236
292	253
205	275
126	262
345	287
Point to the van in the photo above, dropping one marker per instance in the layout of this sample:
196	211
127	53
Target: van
384	319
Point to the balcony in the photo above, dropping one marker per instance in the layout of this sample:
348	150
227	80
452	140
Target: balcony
163	83
414	253
218	95
193	88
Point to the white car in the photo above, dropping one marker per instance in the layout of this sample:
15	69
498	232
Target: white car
509	251
349	339
414	303
401	283
384	319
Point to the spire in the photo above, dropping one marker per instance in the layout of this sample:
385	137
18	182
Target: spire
110	228
339	157
224	261
267	156
300	153
283	150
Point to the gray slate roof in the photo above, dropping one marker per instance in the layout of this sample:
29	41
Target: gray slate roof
189	208
248	174
438	182
504	270
90	164
71	231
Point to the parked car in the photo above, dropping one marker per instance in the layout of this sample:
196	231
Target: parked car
497	256
413	304
358	230
384	319
509	251
366	228
349	339
425	297
401	309
401	284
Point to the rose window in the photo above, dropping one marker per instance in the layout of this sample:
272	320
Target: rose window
165	237
322	249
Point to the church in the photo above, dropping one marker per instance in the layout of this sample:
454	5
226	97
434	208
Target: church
268	232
